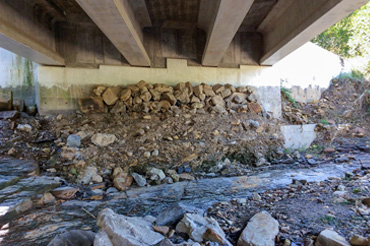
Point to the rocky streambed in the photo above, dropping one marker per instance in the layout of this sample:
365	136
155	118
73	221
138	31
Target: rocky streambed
37	216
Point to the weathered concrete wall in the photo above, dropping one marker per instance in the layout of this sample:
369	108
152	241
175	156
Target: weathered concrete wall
308	71
17	75
60	87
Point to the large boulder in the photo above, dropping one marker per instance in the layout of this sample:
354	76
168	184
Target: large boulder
261	230
200	229
73	238
330	238
123	230
111	95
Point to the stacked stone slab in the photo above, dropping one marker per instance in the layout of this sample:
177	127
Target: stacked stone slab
144	97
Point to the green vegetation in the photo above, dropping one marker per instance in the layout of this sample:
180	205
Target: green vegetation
287	94
329	219
350	37
357	190
353	75
324	122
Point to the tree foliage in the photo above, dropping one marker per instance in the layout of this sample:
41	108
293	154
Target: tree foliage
350	37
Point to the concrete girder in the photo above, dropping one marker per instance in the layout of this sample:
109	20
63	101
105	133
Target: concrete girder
221	20
117	21
26	41
286	30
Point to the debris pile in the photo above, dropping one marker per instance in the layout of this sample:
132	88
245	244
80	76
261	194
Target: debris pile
144	97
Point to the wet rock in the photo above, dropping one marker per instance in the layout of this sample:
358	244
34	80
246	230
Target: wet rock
156	174
140	180
123	230
331	238
64	193
74	141
261	230
358	240
170	216
102	140
111	95
122	181
73	238
24	127
200	228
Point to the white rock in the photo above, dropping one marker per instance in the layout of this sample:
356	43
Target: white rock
156	174
102	239
102	139
90	173
199	228
261	230
140	180
24	127
330	238
123	230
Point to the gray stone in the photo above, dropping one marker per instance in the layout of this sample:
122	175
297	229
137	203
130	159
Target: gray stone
170	216
200	229
156	174
254	123
102	239
140	180
74	141
102	139
123	230
73	238
89	174
330	238
261	230
24	127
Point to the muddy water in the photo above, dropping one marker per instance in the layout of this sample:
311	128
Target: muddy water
40	226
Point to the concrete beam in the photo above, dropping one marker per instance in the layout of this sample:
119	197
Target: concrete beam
117	21
221	20
301	21
23	41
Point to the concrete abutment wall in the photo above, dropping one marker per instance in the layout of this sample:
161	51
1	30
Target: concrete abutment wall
61	87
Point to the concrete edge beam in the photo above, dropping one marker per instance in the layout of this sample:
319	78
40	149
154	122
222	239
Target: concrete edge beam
301	22
20	43
117	21
221	27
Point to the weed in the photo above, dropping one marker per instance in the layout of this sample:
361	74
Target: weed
353	75
357	190
287	94
324	122
328	219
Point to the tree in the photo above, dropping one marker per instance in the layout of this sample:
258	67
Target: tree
350	37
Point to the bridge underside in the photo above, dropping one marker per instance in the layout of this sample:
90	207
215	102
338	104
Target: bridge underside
213	33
